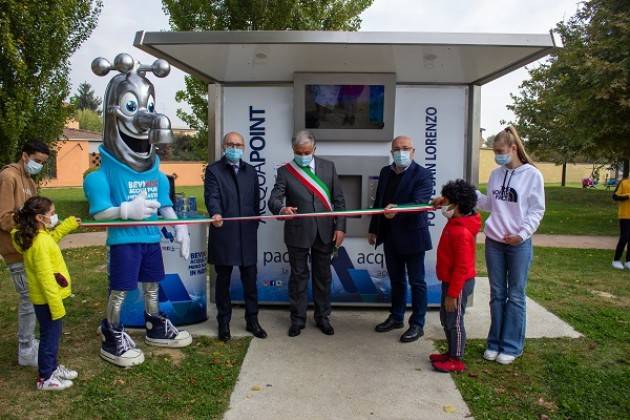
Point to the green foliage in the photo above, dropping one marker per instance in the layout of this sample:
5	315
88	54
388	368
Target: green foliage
577	104
251	15
36	41
89	120
184	148
85	98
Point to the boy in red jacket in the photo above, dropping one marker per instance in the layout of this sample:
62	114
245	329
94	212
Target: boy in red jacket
456	269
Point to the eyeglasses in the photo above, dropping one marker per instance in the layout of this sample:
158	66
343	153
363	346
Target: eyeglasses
240	146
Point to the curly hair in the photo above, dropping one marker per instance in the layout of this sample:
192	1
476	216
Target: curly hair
25	220
462	194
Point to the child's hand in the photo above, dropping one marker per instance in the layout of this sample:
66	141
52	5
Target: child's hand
450	304
78	219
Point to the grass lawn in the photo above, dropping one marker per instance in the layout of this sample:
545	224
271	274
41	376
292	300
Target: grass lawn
575	211
562	378
195	382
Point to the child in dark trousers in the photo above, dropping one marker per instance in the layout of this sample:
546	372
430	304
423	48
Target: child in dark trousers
456	270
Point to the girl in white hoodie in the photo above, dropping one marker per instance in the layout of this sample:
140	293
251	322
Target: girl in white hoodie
516	202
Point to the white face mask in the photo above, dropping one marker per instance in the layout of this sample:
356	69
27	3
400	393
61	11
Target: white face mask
54	221
448	212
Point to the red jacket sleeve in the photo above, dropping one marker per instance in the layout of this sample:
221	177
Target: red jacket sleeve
463	261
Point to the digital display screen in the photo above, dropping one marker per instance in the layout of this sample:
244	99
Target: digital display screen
329	106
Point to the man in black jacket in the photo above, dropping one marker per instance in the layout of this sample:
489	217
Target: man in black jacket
231	189
405	237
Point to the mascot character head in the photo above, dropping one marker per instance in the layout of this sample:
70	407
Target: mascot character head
132	127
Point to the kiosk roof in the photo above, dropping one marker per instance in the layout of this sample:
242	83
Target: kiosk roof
246	57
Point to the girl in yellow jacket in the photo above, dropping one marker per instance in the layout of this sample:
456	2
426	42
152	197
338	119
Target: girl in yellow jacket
622	197
36	236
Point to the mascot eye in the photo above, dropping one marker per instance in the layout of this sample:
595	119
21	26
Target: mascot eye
151	104
129	103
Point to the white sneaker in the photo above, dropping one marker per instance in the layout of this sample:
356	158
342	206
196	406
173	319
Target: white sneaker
490	355
65	373
28	357
505	359
54	383
618	265
627	265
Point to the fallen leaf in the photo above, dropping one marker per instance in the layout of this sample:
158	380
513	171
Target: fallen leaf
119	382
473	375
543	417
256	388
449	409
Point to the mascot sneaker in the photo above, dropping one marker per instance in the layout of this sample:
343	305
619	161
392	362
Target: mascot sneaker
54	383
28	356
162	333
117	347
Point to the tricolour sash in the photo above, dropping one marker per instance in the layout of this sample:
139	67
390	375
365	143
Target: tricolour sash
312	182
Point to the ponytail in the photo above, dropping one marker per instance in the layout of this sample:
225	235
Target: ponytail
509	136
25	220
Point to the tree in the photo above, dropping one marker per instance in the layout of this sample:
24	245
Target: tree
220	15
576	106
36	41
89	120
85	98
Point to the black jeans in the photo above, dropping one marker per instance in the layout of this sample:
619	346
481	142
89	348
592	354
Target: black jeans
320	254
222	292
453	322
624	240
49	337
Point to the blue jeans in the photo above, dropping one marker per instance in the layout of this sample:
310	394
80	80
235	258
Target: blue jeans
508	266
414	263
49	337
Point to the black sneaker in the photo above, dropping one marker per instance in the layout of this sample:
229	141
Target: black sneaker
162	333
117	347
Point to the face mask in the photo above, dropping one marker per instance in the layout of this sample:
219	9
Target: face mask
303	160
54	221
402	158
234	154
503	159
448	212
33	168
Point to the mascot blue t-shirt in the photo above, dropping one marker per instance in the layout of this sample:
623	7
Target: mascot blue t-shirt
115	183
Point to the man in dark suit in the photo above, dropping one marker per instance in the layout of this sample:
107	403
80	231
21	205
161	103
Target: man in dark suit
231	189
405	236
309	184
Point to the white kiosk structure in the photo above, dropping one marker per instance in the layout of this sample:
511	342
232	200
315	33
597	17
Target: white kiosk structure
355	91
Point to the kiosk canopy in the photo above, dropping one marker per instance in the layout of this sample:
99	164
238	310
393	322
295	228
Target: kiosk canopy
242	57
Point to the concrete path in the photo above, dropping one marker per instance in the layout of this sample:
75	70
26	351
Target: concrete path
356	373
78	240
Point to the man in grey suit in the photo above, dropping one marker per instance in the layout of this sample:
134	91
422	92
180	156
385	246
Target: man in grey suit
306	185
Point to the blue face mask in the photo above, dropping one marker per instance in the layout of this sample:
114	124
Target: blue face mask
502	159
234	154
303	160
33	168
402	158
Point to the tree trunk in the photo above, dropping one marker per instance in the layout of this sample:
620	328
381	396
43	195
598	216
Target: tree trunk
626	168
564	174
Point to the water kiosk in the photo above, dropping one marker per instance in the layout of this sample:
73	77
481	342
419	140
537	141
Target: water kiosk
355	91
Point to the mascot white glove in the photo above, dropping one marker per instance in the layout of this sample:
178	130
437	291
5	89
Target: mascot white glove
139	208
181	232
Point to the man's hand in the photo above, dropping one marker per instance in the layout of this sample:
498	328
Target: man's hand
182	237
512	239
371	238
450	304
338	237
289	211
389	214
217	220
139	208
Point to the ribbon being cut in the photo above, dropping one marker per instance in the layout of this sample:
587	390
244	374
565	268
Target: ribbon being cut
407	208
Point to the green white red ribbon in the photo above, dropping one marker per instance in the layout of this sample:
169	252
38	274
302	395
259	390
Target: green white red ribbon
412	208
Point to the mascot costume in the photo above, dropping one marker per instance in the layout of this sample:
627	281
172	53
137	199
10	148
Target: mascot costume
129	186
